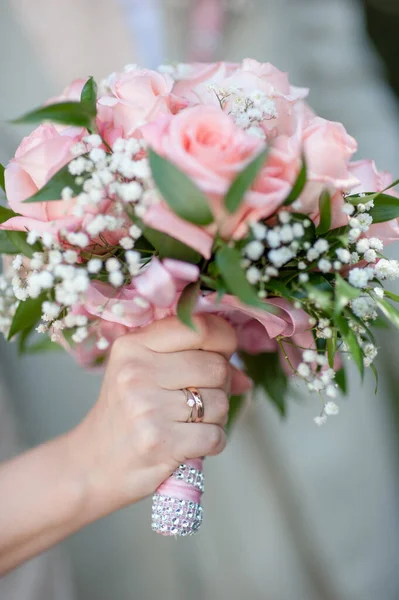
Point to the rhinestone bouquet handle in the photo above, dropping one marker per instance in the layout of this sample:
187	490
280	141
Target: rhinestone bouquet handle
176	505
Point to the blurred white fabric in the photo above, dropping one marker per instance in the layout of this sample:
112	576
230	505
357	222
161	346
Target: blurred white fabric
292	511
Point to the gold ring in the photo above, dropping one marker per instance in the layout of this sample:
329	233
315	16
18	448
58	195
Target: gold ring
199	403
191	403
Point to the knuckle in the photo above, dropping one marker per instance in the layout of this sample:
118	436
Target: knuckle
150	437
222	403
220	370
130	375
217	440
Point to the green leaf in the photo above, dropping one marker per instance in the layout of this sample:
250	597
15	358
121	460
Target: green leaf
362	198
325	213
169	247
344	293
389	311
186	304
179	192
380	323
6	213
6	245
298	186
321	297
266	372
75	114
391	296
331	349
228	261
2	183
18	239
44	345
385	208
88	96
375	373
27	315
236	404
340	380
350	339
243	182
23	339
52	190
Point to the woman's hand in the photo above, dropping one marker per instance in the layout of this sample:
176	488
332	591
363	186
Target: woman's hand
131	441
137	434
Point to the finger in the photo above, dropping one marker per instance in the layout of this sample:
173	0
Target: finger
240	382
191	440
196	368
212	333
215	401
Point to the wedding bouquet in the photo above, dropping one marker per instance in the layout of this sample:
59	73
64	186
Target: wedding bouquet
198	188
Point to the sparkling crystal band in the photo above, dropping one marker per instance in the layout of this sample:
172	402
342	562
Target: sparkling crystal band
174	517
190	475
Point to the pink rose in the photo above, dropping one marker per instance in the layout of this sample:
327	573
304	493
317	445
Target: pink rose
204	143
37	159
150	296
371	180
257	329
248	77
136	97
328	149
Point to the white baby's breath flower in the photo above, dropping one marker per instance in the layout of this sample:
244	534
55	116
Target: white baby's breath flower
321	245
324	265
286	234
343	255
116	278
362	245
112	264
254	250
298	230
370	256
312	254
358	278
354	234
348	209
118	310
273	238
284	217
387	269
79	239
94	265
376	243
135	232
303	277
303	370
102	343
280	257
379	292
331	409
364	221
71	257
259	230
17	262
320	420
126	242
309	356
253	275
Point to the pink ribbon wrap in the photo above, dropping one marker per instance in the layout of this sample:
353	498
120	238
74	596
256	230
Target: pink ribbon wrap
176	506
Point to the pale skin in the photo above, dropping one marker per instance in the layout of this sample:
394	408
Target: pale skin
131	440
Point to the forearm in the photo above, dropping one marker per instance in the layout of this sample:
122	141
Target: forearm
43	499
